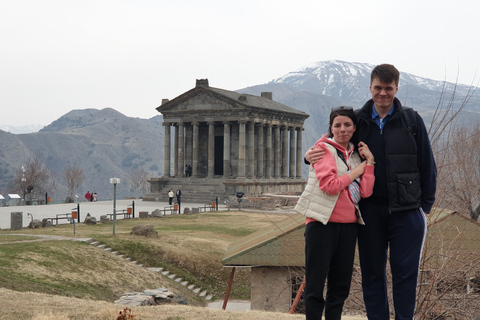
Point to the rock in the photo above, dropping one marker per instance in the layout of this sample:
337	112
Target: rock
90	220
157	213
187	211
46	223
147	231
104	219
35	223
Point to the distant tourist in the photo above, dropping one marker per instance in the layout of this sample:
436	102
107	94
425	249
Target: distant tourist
95	197
88	196
189	170
179	194
170	196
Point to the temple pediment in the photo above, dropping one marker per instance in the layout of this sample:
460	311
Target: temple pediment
204	100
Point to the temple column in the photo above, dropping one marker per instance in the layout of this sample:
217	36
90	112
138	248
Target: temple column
260	151
277	153
166	150
292	152
269	164
195	150
227	171
181	150
188	144
299	152
175	154
241	148
251	150
285	152
211	149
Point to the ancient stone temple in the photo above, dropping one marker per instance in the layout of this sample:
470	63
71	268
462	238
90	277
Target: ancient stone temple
232	142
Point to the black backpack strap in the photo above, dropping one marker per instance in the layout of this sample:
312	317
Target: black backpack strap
410	120
340	155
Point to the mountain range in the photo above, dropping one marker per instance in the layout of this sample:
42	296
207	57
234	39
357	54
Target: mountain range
105	143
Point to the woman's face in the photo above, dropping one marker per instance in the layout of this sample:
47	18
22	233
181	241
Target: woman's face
342	130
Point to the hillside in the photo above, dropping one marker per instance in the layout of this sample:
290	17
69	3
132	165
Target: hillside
103	143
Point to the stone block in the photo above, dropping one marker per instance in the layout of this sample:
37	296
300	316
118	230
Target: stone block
16	220
143	214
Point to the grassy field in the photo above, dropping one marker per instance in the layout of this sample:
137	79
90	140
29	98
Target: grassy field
191	246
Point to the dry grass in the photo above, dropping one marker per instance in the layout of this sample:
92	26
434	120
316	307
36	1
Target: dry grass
36	306
85	280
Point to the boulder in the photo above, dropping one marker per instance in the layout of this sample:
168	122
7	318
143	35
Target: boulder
35	223
147	231
90	220
157	213
46	223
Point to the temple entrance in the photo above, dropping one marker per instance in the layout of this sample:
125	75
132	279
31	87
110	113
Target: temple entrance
218	156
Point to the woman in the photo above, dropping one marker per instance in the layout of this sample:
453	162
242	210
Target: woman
329	202
170	197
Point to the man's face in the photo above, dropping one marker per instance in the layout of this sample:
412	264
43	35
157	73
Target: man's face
383	93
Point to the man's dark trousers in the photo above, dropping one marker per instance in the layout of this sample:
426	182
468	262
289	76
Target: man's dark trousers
404	234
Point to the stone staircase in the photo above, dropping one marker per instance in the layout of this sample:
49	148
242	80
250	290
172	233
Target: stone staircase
197	190
150	296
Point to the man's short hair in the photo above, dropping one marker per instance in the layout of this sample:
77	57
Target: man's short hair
386	73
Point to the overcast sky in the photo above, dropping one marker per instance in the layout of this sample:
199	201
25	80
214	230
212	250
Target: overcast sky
60	55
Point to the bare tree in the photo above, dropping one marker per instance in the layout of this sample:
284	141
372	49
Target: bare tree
74	177
32	179
459	181
137	182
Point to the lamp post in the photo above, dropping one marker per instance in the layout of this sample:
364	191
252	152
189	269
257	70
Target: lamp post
114	181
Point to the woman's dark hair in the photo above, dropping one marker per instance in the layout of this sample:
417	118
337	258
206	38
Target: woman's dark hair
341	111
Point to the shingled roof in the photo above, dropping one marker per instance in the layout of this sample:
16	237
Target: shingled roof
282	244
239	100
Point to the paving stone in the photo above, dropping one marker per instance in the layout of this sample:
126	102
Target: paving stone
184	283
196	290
172	276
166	273
178	279
191	287
203	294
108	249
101	246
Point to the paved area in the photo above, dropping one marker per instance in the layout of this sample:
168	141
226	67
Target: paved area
232	305
96	209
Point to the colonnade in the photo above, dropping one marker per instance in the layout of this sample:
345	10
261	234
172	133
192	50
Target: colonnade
250	149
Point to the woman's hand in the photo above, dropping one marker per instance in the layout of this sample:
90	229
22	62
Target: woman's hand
365	153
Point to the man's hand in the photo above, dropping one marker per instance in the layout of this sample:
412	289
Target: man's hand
314	154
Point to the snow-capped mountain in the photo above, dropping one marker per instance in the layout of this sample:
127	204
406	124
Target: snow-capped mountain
350	81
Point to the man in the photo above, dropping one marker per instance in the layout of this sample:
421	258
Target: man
179	194
405	183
